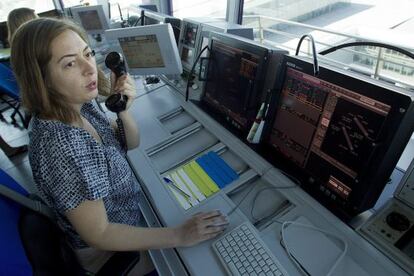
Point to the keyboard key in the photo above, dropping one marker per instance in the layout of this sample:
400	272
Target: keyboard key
258	269
269	261
233	269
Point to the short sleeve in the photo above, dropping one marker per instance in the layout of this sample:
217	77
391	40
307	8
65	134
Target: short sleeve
76	170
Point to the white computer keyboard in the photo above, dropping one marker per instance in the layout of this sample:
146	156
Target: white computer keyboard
243	252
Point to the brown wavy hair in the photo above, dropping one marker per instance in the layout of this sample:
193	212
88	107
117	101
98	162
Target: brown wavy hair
30	55
16	18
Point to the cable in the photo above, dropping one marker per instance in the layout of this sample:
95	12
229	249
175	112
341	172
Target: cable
291	177
367	43
240	202
256	196
120	12
251	189
136	22
288	251
142	17
122	135
315	58
187	90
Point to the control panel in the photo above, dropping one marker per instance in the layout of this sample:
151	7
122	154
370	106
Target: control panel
391	229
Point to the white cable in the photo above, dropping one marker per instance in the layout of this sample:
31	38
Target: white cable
338	260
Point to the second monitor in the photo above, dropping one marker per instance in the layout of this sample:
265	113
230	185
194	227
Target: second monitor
240	77
148	50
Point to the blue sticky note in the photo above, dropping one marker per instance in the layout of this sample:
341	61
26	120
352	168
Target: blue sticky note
213	175
223	165
218	170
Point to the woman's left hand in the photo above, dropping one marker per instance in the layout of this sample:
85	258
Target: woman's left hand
124	85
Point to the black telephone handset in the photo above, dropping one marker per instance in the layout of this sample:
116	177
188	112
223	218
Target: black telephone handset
117	102
115	62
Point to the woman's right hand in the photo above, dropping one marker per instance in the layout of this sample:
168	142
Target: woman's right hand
201	227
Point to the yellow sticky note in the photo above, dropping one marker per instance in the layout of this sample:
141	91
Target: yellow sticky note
212	186
197	180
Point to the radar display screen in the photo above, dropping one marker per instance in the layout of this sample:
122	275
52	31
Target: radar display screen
329	131
233	84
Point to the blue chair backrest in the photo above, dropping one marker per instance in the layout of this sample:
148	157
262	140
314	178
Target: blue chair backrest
13	260
8	83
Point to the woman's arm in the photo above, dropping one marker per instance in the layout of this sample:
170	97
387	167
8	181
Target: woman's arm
90	221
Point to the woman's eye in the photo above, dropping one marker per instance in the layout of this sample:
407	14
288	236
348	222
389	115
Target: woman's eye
70	64
90	54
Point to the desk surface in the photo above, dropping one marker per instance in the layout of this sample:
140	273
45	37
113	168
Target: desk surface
172	132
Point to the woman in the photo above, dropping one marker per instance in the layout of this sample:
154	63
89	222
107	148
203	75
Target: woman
77	161
16	18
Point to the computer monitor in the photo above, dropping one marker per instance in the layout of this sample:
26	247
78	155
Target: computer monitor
339	133
91	18
148	49
195	34
152	18
237	80
149	7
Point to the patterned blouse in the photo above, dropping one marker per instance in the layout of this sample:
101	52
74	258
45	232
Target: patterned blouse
69	166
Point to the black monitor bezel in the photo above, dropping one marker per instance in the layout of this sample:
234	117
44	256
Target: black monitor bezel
245	45
363	197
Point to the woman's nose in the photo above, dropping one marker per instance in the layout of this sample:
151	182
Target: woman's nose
89	66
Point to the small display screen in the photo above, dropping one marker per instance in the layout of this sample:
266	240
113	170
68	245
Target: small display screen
90	20
142	51
190	34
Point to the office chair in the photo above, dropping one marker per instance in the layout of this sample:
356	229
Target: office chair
9	94
49	253
33	244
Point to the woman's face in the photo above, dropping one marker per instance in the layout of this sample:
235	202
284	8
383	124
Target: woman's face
72	69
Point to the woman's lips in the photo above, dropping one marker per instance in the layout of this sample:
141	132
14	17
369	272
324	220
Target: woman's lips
91	86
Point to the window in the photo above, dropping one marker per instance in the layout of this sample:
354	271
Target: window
347	17
128	7
199	8
38	5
